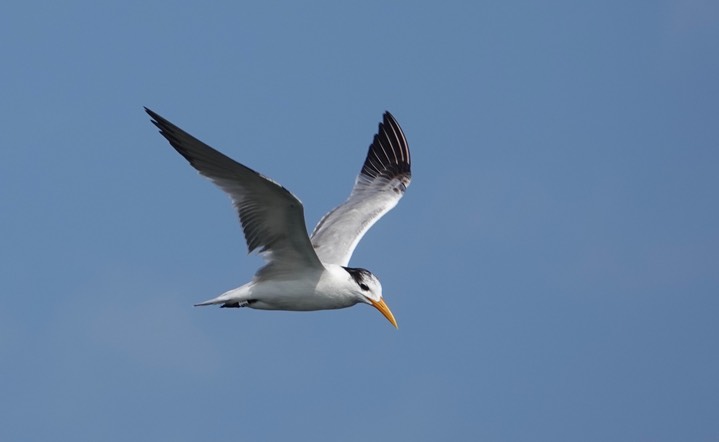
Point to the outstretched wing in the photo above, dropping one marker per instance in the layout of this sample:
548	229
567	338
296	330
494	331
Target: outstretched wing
380	185
272	218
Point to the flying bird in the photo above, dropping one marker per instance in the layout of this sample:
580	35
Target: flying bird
304	273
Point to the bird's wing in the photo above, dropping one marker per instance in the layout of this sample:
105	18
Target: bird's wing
381	183
272	218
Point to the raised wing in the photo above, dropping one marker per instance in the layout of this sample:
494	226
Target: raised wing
272	218
380	185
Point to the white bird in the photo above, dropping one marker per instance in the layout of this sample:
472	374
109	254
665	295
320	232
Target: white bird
304	273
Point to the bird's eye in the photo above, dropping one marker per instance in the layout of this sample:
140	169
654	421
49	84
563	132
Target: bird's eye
364	287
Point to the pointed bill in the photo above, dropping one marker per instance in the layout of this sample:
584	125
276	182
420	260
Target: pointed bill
382	307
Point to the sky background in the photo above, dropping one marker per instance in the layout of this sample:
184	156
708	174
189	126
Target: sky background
554	266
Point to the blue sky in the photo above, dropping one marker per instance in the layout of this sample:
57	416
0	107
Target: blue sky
553	266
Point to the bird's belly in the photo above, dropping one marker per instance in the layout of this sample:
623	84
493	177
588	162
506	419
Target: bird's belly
325	290
299	303
296	297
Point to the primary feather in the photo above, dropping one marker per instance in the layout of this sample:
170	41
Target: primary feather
385	175
272	218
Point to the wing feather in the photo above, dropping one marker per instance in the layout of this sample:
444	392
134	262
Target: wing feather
272	218
385	175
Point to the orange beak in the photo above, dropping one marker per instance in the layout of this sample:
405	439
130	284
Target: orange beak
382	307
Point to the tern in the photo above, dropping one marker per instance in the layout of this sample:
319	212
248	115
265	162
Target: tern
304	273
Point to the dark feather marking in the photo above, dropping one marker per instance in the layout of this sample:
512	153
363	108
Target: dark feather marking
238	304
390	138
359	275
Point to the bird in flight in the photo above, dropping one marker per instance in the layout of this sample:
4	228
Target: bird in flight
304	273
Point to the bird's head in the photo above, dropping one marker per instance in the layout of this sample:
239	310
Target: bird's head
369	291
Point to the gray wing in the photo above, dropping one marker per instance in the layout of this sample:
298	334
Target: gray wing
380	185
272	218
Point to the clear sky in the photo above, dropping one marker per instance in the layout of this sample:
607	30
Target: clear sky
554	266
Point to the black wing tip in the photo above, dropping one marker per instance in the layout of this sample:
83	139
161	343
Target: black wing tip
168	130
163	124
174	135
388	155
387	117
154	115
